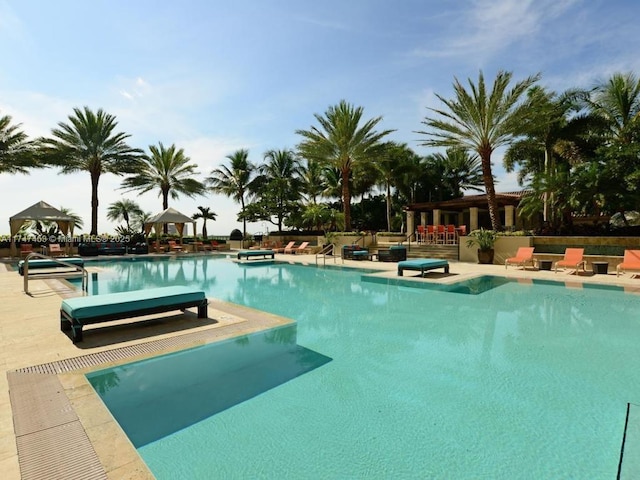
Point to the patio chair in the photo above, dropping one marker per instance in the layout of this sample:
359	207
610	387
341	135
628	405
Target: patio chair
441	234
283	249
451	235
431	234
55	250
523	256
302	248
631	261
573	258
26	249
173	246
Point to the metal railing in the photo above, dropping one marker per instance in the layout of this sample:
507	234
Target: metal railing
77	271
325	252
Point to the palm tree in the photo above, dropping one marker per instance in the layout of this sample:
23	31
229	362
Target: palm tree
235	181
123	210
17	154
169	171
618	102
460	170
279	182
205	214
480	121
88	143
341	142
313	182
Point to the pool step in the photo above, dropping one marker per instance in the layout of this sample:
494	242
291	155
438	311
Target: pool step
629	465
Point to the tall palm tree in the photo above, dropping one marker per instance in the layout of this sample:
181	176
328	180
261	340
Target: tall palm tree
17	153
313	182
280	183
480	121
89	143
460	170
342	142
617	100
168	170
124	209
235	181
205	214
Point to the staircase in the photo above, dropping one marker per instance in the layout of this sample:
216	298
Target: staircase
445	252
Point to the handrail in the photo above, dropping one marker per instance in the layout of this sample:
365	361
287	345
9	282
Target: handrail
408	239
324	252
77	270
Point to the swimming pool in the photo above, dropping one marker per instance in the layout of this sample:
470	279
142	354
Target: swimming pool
386	380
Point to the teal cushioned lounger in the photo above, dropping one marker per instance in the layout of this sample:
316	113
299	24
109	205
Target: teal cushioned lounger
422	264
76	312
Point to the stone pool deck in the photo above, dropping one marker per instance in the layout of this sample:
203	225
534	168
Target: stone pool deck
50	398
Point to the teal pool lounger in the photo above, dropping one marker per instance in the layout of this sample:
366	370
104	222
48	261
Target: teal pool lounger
80	311
43	263
422	264
256	253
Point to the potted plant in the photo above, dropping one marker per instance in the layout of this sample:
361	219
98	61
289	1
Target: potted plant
485	240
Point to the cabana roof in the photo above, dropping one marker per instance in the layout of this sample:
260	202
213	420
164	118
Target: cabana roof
468	201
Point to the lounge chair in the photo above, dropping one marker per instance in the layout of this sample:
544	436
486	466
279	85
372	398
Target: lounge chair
302	248
26	249
422	264
255	253
173	246
631	261
55	250
524	255
573	258
395	253
79	311
282	249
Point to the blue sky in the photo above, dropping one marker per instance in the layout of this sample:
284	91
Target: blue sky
213	77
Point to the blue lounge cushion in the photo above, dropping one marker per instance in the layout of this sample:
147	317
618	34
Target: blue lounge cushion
119	303
44	263
419	263
397	247
253	253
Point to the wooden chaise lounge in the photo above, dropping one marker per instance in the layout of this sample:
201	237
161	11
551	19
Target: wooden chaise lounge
80	311
255	253
422	264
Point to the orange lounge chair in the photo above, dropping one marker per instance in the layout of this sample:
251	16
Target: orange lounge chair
303	248
173	246
55	250
26	249
284	249
631	261
573	258
523	256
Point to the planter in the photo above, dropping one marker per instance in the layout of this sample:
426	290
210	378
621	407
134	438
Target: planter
485	256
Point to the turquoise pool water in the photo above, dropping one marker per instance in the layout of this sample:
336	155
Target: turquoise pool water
379	379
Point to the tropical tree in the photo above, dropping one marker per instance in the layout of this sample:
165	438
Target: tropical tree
51	228
312	181
168	170
340	141
89	143
480	121
139	219
17	153
277	188
205	214
235	181
125	210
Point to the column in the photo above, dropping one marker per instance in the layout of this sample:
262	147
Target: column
436	216
411	227
423	218
509	211
473	218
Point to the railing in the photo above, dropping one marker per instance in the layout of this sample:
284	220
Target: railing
408	240
78	271
325	252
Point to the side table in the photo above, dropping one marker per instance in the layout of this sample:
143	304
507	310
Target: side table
600	268
545	264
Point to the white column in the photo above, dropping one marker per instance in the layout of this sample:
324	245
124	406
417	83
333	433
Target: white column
473	218
410	222
436	216
423	218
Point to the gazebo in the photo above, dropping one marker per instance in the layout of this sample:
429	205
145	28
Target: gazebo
170	215
40	211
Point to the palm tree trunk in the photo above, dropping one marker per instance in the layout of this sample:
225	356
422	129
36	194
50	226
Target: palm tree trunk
165	205
487	176
95	177
244	221
388	207
346	199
